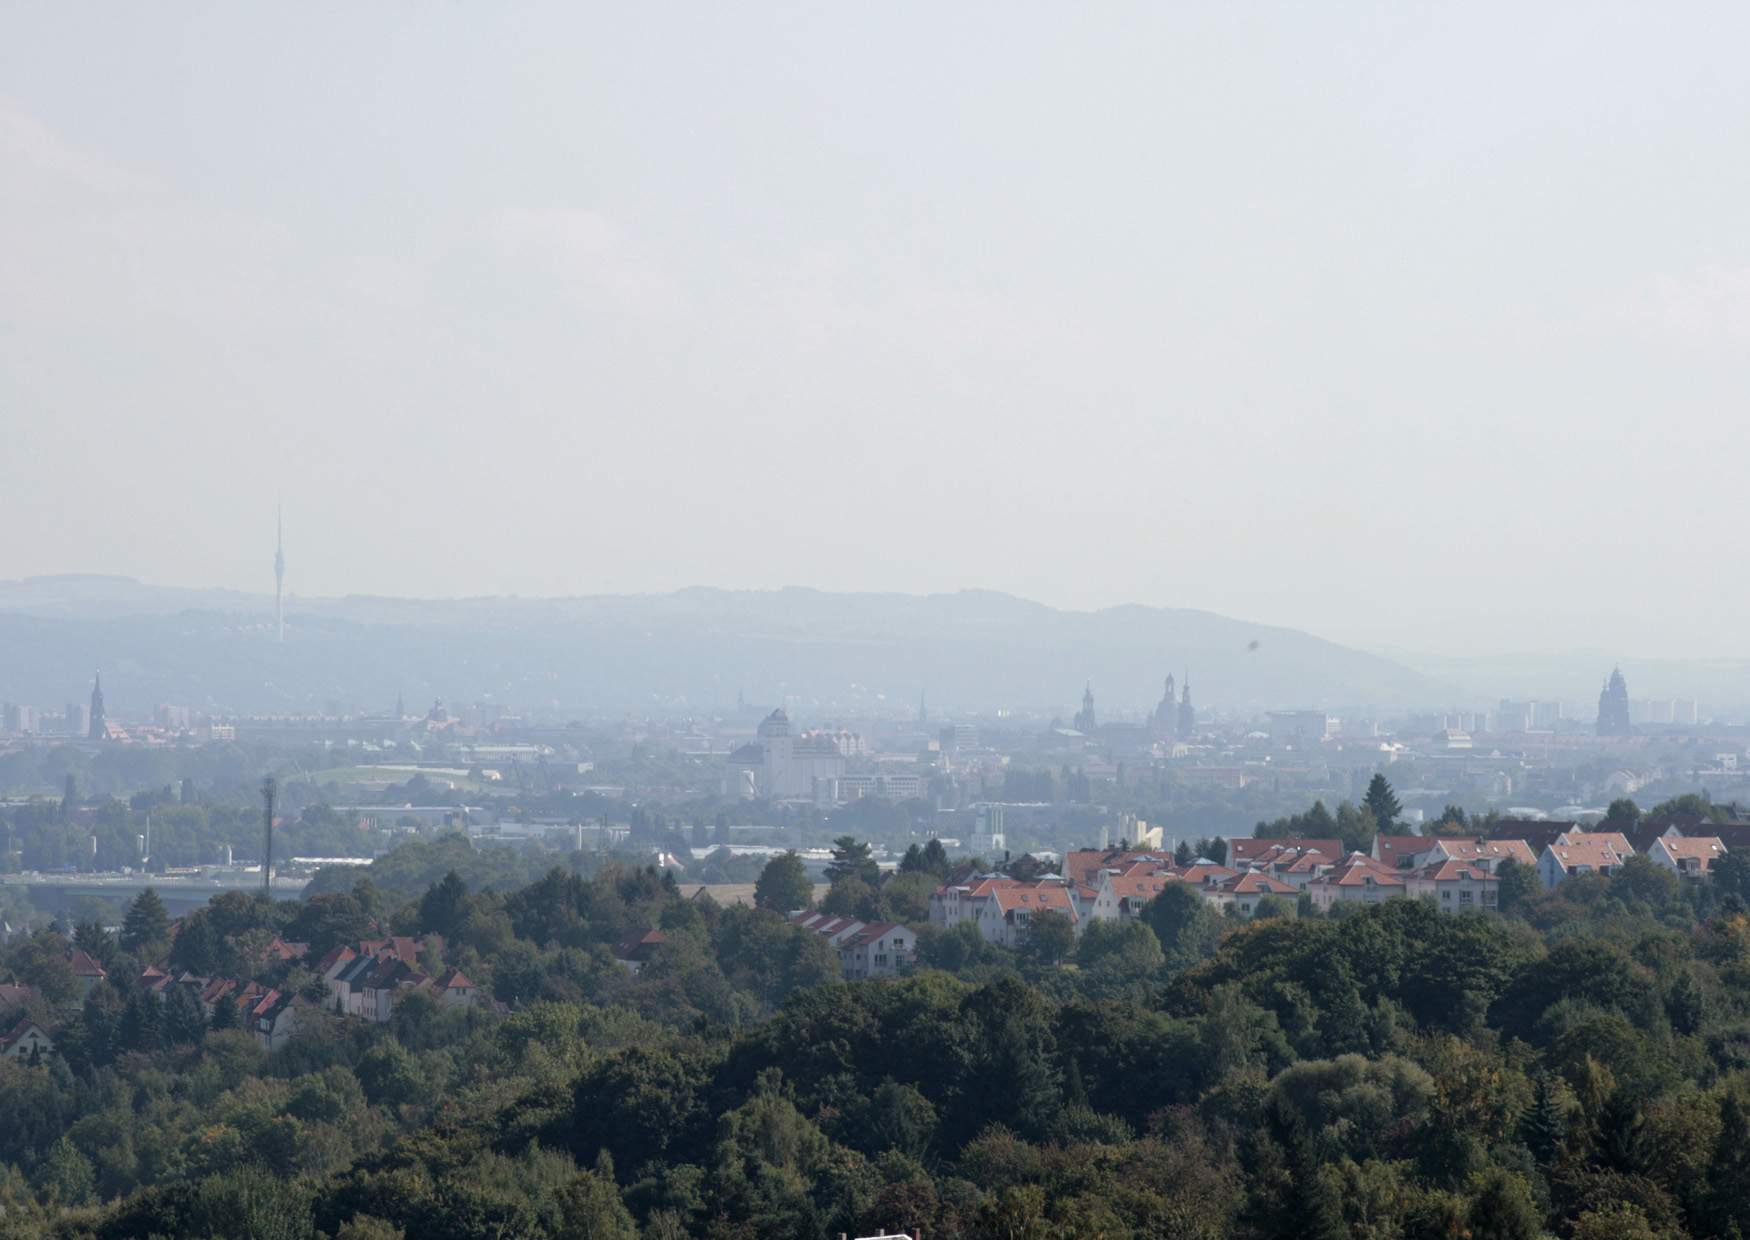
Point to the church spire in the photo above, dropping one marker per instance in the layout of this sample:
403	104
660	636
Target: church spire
99	729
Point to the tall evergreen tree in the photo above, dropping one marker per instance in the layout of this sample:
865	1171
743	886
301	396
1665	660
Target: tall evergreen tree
184	1022
147	921
1382	803
1545	1126
141	1027
851	857
445	907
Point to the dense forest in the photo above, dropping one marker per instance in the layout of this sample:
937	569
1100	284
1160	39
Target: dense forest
1578	1067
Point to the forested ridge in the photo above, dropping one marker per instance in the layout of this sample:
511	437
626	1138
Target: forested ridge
1577	1067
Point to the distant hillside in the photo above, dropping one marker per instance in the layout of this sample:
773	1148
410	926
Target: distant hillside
697	648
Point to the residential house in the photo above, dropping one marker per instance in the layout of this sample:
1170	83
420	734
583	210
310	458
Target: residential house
1206	873
1484	854
1455	886
453	989
1358	879
86	970
1294	864
369	987
1582	852
273	1018
865	949
26	1042
635	950
1123	895
367	984
1687	856
1003	908
331	965
1537	833
1243	892
1401	852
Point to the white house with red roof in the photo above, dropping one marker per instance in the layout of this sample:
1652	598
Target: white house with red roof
87	970
1401	852
1358	879
1687	856
453	989
1455	886
1582	852
1484	854
1294	864
1123	895
1003	908
865	948
1243	892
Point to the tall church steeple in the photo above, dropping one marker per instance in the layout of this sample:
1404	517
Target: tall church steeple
99	729
1085	721
1614	717
279	572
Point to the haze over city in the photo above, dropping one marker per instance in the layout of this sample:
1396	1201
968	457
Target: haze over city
1415	330
964	621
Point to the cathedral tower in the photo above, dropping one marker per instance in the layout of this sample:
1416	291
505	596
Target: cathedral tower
99	728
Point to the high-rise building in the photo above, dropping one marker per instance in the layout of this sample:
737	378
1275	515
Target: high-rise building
99	729
1613	710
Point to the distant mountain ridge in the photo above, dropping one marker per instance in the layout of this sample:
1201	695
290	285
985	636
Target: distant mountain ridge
697	648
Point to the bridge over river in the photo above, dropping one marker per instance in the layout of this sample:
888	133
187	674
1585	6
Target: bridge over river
181	893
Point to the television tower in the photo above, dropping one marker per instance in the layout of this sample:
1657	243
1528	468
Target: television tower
279	571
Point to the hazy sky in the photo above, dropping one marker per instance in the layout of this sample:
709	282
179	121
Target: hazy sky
1411	326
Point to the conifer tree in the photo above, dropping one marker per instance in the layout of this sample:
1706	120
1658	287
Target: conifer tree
1382	803
146	922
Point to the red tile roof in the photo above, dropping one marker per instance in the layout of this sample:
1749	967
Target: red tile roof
84	965
1594	852
1701	849
1255	883
1446	871
1361	870
639	946
1492	851
1397	850
1084	865
1242	848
